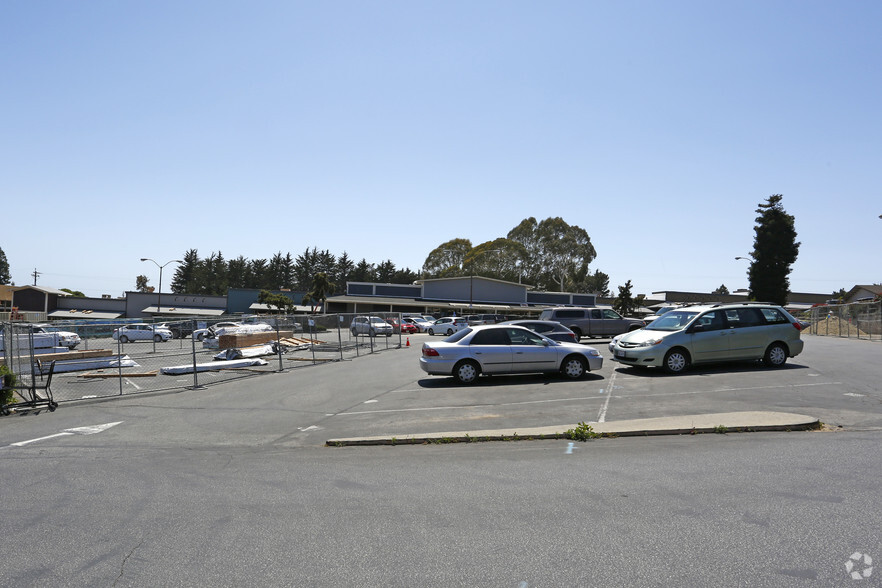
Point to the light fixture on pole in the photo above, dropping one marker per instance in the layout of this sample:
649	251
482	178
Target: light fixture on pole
159	298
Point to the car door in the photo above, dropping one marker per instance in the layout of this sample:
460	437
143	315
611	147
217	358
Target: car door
531	353
613	323
748	336
710	341
492	350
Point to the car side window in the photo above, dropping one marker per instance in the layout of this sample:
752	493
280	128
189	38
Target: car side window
748	317
521	337
611	314
712	321
772	316
491	337
595	314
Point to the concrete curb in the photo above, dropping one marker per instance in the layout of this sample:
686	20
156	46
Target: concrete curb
727	422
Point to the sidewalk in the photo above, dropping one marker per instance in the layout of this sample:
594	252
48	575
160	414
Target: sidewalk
727	422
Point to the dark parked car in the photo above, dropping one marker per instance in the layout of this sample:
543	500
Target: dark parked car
550	329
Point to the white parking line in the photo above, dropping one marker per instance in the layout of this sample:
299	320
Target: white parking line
601	416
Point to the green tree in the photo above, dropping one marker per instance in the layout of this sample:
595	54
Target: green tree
321	287
76	293
5	276
624	303
446	260
501	258
596	283
363	272
141	284
343	271
279	301
721	290
555	252
774	251
185	278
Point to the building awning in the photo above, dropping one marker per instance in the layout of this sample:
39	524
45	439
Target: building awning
185	311
75	313
257	306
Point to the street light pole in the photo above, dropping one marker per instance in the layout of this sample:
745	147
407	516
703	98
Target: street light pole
159	298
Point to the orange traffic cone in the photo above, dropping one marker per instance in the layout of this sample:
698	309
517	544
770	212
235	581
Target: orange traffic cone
408	342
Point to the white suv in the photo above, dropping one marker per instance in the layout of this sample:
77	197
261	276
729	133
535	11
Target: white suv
720	332
370	325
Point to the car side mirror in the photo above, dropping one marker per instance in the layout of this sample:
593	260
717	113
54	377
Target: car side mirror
697	327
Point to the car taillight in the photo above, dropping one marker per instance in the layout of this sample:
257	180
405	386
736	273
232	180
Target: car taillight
798	326
429	352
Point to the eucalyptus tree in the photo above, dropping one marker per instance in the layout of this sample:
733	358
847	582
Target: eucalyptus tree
447	259
501	258
555	251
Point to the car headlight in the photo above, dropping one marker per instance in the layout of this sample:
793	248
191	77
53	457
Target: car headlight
593	353
651	342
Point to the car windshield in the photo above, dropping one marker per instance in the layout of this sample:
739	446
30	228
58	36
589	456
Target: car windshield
377	320
671	321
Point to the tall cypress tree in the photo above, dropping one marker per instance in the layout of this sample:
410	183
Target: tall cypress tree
774	250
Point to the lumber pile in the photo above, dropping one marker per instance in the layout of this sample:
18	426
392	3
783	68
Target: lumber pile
249	339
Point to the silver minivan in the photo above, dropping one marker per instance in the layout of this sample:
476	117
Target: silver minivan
721	332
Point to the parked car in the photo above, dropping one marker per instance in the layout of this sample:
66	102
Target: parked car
180	329
447	325
142	332
63	338
403	326
505	349
371	326
201	334
550	329
711	333
484	319
420	323
591	321
660	311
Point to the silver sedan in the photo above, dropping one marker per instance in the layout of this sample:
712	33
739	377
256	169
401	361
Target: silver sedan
505	349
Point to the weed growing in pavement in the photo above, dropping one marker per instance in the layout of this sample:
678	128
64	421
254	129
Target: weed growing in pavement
582	432
721	429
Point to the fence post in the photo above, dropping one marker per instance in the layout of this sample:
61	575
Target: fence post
340	335
193	341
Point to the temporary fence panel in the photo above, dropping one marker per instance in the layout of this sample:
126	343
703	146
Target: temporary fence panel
860	320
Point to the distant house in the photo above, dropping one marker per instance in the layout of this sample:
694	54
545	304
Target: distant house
861	293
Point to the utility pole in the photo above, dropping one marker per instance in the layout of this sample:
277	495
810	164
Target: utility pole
35	274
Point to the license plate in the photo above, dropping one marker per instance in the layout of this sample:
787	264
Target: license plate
620	354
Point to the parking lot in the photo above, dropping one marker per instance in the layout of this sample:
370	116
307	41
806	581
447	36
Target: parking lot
387	393
833	380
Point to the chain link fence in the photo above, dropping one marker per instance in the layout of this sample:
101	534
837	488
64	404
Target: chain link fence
125	357
859	320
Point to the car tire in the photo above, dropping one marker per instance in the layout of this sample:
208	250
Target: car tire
200	337
157	338
388	334
123	339
676	360
776	355
466	372
574	367
372	333
577	332
431	332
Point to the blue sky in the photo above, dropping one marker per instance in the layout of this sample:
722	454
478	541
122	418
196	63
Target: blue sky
383	129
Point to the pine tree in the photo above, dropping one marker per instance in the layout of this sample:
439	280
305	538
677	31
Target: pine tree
774	250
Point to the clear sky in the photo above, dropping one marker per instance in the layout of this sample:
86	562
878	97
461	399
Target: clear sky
383	129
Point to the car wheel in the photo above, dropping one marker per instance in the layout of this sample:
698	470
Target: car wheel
574	367
577	332
372	333
200	337
676	360
388	334
449	332
123	339
775	355
431	332
466	371
157	338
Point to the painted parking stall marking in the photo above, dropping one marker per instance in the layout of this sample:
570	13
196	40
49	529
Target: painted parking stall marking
89	430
